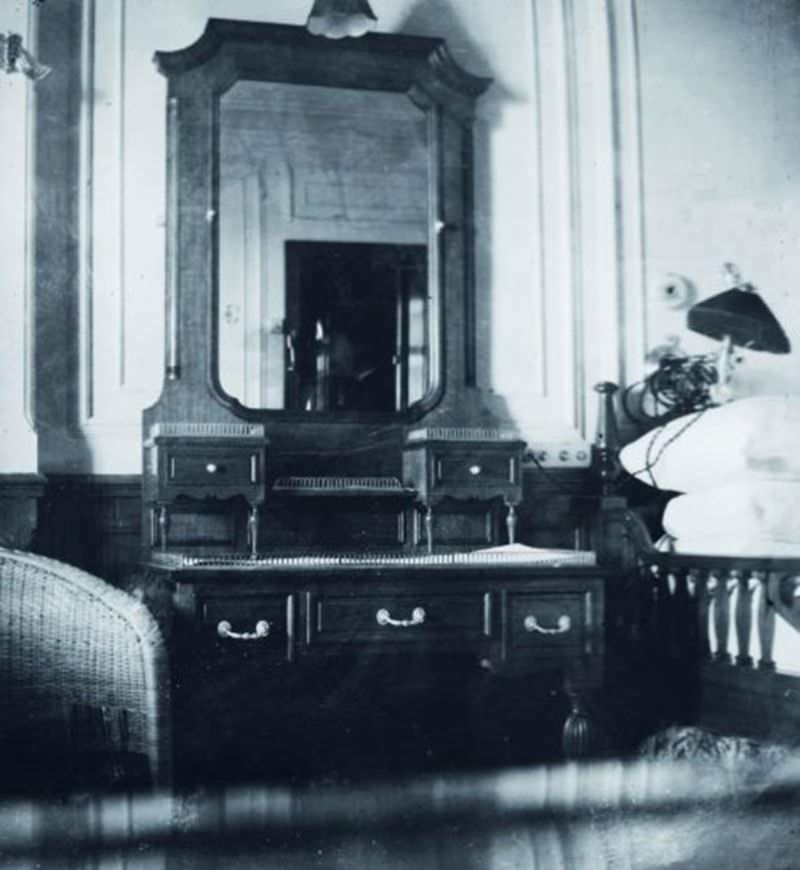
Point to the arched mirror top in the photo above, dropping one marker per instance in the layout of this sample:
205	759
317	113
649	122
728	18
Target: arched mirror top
235	50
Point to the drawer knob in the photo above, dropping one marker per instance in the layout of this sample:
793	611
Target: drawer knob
385	618
262	630
531	624
212	467
475	469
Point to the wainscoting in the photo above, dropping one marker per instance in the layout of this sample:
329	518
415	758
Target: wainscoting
19	506
92	522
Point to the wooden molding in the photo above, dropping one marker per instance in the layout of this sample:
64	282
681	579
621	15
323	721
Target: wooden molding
22	485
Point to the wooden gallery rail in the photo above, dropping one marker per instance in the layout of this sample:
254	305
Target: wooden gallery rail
708	624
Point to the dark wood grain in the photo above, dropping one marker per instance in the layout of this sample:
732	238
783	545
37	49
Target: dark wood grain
333	690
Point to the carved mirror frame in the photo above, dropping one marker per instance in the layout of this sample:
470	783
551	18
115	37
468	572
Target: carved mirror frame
229	51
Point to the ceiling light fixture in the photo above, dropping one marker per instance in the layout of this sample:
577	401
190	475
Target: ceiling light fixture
336	19
14	58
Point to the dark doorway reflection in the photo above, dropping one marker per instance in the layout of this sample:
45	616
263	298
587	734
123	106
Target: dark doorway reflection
356	326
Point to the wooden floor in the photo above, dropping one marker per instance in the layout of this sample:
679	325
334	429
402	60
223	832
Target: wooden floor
595	816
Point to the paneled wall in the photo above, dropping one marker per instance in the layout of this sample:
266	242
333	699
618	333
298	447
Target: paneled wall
18	444
92	522
623	142
549	247
720	119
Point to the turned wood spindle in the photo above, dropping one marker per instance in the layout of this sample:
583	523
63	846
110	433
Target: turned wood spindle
703	607
511	522
743	617
766	626
721	617
429	527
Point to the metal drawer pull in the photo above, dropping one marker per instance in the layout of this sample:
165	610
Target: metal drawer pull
417	618
564	625
475	470
262	630
212	467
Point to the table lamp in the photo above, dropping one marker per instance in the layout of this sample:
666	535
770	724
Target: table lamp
737	317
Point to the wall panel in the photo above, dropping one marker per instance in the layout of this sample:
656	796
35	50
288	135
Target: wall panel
720	118
556	142
18	442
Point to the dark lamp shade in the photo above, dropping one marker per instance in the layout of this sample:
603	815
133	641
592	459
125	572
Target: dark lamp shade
743	316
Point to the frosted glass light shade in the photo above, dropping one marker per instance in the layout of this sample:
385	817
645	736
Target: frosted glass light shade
336	19
15	58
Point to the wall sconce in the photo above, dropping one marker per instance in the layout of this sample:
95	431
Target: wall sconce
339	18
737	317
15	58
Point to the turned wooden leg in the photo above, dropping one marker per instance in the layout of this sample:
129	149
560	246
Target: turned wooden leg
578	734
429	528
252	530
163	526
511	522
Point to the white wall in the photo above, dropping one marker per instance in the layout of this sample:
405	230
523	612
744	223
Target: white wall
721	123
531	168
621	140
18	442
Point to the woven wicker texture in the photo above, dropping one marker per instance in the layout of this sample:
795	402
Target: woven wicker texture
82	660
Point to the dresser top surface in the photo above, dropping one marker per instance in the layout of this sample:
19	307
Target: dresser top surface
513	556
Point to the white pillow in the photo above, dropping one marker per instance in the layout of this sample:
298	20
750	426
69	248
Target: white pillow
756	437
764	510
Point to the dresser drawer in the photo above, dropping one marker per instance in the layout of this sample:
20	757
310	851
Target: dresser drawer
249	621
452	619
213	466
474	469
552	621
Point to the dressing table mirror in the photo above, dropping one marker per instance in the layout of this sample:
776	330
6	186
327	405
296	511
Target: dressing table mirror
323	219
320	302
319	471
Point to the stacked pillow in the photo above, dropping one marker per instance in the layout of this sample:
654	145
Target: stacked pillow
738	467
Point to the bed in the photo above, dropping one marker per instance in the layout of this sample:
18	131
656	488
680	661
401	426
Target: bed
714	604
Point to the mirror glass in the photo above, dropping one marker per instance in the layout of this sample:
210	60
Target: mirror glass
323	277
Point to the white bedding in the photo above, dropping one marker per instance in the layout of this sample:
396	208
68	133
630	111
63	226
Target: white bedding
752	438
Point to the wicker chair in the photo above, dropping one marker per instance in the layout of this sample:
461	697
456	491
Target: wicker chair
84	688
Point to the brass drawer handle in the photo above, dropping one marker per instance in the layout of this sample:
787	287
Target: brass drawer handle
417	618
532	624
262	630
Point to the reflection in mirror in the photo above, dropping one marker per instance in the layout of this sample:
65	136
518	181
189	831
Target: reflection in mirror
323	283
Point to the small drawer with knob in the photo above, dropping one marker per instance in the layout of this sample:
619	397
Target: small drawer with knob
212	469
440	620
474	470
462	468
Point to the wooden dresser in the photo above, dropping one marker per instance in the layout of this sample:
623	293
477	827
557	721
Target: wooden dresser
321	470
258	644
